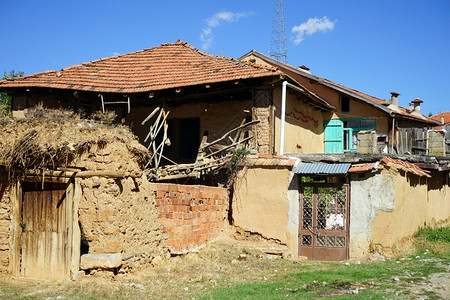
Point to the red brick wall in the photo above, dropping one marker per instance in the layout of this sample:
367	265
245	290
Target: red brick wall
190	215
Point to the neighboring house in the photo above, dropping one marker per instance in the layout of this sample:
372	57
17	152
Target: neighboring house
354	111
443	118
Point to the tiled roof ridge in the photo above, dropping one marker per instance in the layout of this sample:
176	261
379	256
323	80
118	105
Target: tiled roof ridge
222	58
179	42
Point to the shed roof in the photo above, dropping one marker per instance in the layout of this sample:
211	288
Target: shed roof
162	67
322	169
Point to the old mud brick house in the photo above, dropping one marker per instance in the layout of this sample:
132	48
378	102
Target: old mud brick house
190	108
193	110
70	187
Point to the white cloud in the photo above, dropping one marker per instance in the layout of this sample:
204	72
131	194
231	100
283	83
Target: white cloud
116	53
310	27
207	35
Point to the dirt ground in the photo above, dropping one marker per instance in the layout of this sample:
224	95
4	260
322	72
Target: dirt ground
222	264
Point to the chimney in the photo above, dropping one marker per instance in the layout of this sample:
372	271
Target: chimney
416	103
303	67
410	107
394	98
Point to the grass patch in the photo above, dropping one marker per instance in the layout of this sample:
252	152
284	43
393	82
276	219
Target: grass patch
433	240
440	234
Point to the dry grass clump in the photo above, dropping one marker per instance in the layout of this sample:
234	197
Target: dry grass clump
49	138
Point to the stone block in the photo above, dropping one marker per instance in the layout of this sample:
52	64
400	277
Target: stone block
100	261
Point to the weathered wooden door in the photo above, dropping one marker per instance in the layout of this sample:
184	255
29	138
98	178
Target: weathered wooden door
44	231
324	221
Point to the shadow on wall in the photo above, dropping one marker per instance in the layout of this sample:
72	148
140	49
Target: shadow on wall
84	245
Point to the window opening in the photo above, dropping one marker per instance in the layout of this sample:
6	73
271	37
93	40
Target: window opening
345	104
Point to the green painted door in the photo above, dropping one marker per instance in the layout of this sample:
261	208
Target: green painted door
334	130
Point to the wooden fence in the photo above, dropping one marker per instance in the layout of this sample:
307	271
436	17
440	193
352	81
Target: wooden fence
416	141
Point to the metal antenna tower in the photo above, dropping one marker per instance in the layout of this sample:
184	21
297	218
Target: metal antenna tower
278	42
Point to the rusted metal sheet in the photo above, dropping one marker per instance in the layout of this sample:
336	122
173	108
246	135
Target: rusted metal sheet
44	230
324	221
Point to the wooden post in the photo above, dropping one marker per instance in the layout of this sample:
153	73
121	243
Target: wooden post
76	233
16	230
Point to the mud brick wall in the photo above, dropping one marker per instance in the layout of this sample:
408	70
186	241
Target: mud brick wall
118	215
263	130
190	215
5	221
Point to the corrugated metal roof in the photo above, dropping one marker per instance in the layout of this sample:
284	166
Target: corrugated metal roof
316	168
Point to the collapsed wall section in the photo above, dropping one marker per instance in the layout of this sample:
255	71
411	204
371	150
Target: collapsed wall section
118	215
190	215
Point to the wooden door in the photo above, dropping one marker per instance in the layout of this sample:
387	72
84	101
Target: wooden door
44	231
324	221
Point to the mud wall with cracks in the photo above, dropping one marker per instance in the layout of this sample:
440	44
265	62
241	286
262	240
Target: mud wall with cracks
118	215
389	206
368	195
419	202
261	205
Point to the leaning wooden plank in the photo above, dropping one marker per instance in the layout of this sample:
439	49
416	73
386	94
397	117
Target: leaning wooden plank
155	124
228	133
151	115
163	140
156	131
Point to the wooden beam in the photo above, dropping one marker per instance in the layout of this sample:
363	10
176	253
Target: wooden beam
228	133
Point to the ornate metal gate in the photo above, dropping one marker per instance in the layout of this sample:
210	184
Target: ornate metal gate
324	221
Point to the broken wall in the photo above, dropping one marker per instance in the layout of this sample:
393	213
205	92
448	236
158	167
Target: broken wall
216	117
118	215
190	216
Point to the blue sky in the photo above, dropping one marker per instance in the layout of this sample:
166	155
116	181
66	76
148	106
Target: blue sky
373	46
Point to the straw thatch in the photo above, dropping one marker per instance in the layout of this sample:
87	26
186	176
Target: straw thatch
50	138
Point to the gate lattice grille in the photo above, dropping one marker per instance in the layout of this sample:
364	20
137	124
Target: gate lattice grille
324	221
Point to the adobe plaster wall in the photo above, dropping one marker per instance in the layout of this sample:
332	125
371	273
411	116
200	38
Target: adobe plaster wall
368	195
303	126
414	207
265	203
390	205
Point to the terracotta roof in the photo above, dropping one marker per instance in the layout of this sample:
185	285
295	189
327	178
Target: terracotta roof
392	163
162	67
404	165
362	168
269	161
378	103
440	116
